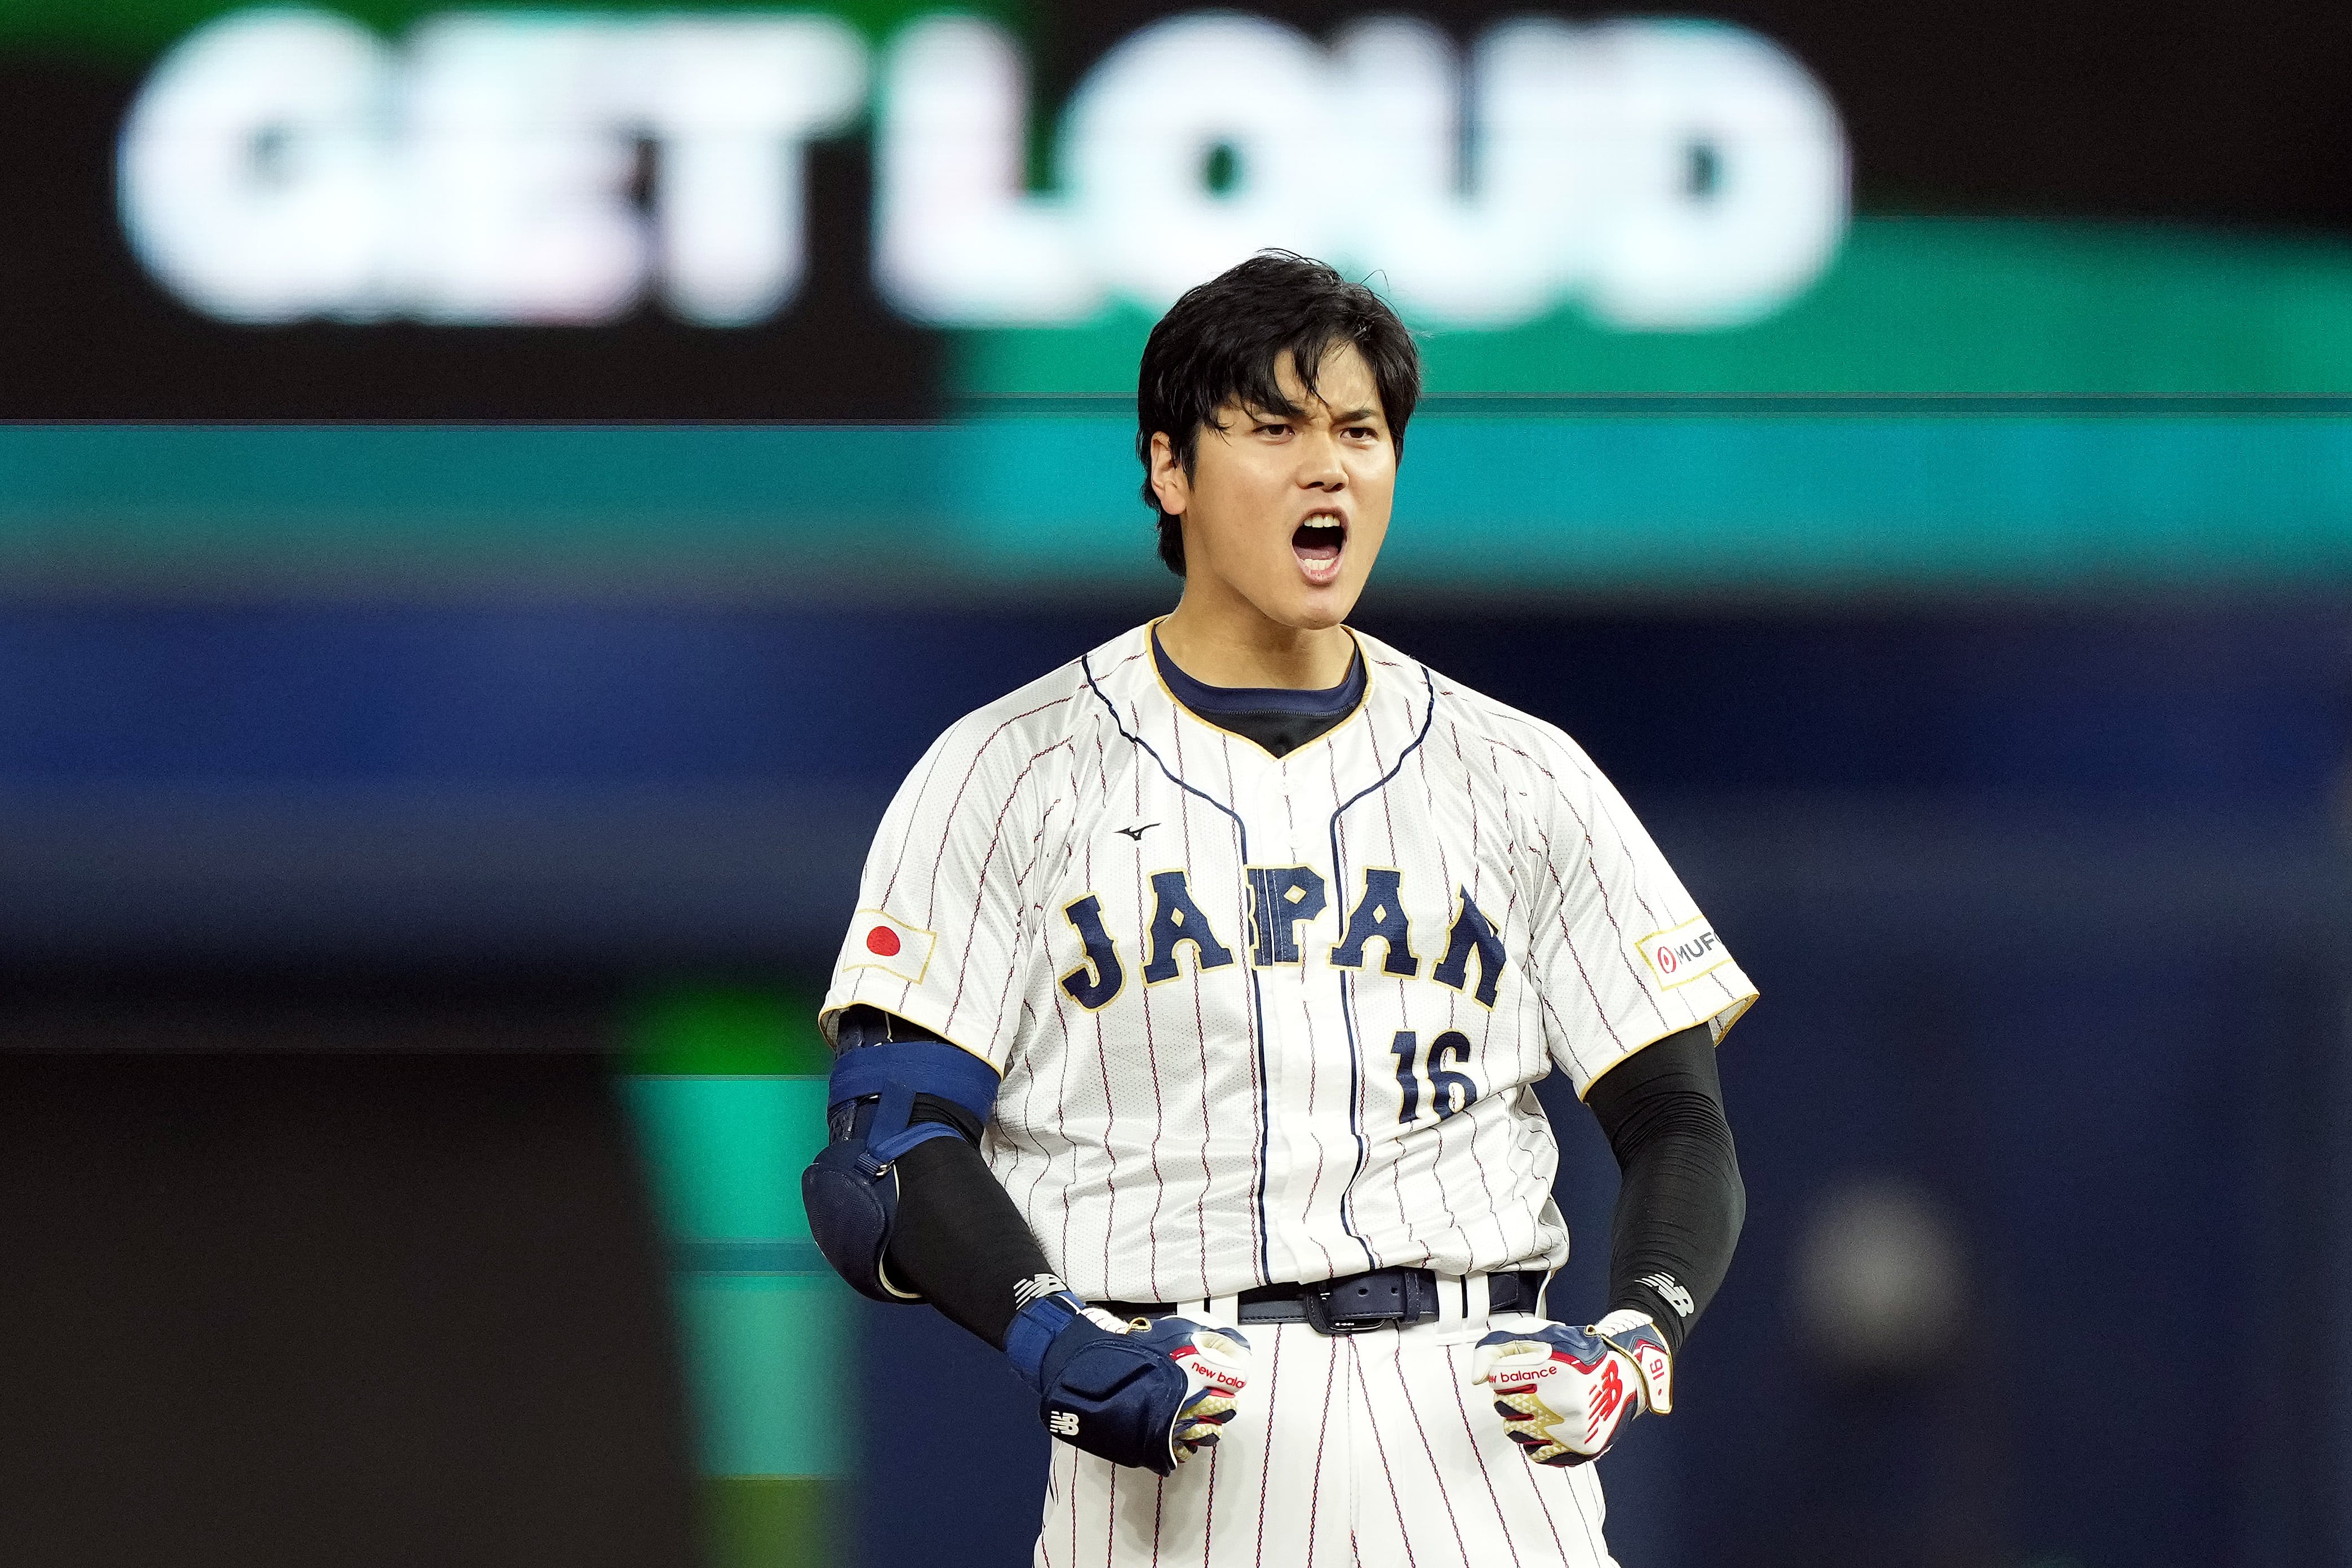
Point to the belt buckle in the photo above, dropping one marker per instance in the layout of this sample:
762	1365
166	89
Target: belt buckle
1317	1305
1315	1302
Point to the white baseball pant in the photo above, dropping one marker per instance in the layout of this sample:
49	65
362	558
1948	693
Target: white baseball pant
1368	1450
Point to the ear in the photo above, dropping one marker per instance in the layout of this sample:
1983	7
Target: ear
1168	480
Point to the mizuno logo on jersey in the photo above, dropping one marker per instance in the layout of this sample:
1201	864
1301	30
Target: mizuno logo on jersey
1283	903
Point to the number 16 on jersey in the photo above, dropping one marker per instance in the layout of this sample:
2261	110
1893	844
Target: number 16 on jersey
1448	1091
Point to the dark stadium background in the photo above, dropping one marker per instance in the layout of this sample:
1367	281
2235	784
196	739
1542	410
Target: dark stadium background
363	875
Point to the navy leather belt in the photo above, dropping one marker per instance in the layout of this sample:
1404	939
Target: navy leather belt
1355	1303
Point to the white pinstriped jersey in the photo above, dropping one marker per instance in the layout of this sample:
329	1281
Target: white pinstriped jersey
1263	1019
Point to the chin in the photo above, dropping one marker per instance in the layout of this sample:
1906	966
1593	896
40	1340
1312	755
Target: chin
1319	613
1286	601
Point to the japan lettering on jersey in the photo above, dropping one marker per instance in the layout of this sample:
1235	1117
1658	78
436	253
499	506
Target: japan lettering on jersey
1266	1019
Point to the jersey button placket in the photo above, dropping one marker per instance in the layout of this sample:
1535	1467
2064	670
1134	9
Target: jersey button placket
1260	803
1296	821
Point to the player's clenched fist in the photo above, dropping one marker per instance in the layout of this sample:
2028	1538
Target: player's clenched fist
1149	1395
1564	1393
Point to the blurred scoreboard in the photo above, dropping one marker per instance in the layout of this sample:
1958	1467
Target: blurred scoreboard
2049	295
282	166
886	211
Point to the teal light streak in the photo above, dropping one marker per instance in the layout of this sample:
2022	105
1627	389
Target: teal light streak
1784	500
766	1325
1560	499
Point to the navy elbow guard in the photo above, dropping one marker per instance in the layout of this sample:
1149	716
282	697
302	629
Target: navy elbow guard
1148	1394
851	1189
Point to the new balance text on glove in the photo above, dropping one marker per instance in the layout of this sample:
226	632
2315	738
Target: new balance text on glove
1149	1395
1564	1394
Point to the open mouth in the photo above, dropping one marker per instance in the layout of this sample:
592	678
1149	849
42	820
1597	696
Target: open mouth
1317	544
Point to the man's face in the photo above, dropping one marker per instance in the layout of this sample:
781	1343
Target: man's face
1287	511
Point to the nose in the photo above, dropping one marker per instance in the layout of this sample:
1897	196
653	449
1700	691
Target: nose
1319	467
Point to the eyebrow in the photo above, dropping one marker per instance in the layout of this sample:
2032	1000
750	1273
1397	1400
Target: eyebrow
1288	416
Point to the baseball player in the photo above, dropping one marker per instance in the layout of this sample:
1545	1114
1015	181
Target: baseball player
1189	1026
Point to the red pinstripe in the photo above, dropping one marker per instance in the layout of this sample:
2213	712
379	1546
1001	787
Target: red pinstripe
1159	1105
1501	1521
979	754
1551	864
1209	1513
1543	1505
980	882
1061	1129
1436	1470
1600	884
1200	1033
1454	998
938	752
1396	1166
1315	1484
1591	1526
1600	1009
1371	1422
1020	881
1265	1448
1043	1556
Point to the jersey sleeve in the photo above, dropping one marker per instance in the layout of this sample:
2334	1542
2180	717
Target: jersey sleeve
1622	953
939	935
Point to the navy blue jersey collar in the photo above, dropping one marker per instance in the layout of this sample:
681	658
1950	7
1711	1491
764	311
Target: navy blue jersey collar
1215	703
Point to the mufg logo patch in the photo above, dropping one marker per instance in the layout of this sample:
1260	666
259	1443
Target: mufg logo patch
1680	954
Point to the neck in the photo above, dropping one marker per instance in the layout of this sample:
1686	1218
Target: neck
1225	641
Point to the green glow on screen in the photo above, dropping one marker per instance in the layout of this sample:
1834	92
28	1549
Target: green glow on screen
727	1086
1911	305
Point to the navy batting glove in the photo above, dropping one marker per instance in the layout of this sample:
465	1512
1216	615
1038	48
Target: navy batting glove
1151	1394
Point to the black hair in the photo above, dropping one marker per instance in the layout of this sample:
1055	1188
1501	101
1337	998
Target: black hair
1224	342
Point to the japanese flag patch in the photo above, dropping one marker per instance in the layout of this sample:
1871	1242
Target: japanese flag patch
1680	954
878	942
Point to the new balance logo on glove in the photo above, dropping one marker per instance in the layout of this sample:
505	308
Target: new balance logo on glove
1545	1379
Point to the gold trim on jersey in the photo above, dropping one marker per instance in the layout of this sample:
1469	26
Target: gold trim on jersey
907	1007
1738	1008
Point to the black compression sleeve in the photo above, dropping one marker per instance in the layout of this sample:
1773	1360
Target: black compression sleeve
1680	1202
960	1240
